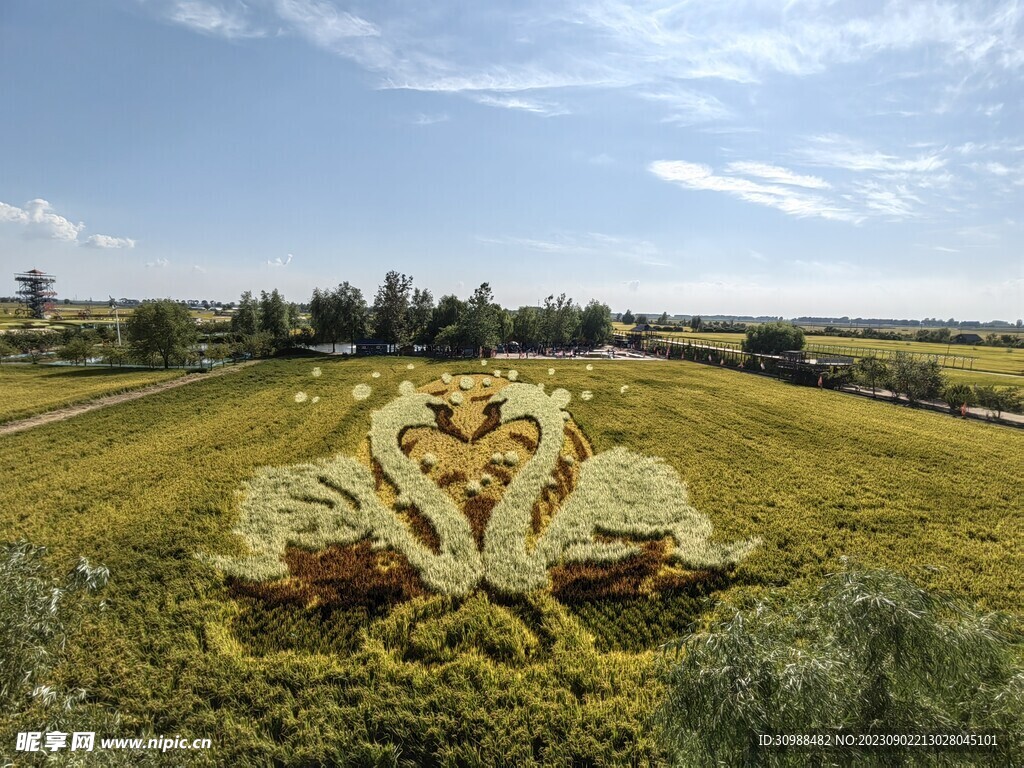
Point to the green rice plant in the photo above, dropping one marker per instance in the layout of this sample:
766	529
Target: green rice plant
29	390
37	613
816	474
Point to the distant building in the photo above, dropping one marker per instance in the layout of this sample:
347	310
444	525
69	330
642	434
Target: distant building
374	347
967	338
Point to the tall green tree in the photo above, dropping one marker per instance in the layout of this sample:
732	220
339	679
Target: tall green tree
915	379
596	323
447	313
273	316
628	317
871	372
338	314
163	328
526	326
663	318
78	349
353	314
321	316
506	326
478	326
391	307
560	320
421	309
774	338
246	320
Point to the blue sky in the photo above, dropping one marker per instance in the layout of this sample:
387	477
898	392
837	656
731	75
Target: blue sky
826	158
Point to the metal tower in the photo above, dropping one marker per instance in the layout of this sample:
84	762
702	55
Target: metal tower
36	290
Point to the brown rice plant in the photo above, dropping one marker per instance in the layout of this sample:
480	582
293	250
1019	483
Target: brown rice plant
869	653
619	498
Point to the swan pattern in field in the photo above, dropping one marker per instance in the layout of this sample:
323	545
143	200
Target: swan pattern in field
619	499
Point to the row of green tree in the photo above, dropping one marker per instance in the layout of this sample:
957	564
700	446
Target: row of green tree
402	314
915	380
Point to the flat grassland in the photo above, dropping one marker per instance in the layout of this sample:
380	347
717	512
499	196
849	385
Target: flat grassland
32	389
816	474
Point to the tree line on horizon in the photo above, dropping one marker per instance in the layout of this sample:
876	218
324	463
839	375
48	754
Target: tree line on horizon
402	315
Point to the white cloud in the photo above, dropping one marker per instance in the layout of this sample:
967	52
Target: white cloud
211	19
547	109
687	107
40	221
279	262
158	263
106	241
894	201
200	270
840	152
633	285
779	175
323	23
794	202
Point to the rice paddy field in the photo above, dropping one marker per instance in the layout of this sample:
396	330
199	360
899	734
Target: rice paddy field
290	639
28	390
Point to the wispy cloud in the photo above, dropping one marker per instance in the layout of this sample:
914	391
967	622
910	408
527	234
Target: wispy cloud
794	202
834	151
654	49
424	119
211	19
279	262
778	175
895	202
590	245
322	23
548	109
688	107
158	263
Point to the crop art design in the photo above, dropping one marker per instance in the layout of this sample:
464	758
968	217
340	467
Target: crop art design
469	482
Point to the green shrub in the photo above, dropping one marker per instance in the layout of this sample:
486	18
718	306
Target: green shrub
870	652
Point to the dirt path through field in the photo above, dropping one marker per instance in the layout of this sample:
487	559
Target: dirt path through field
69	411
